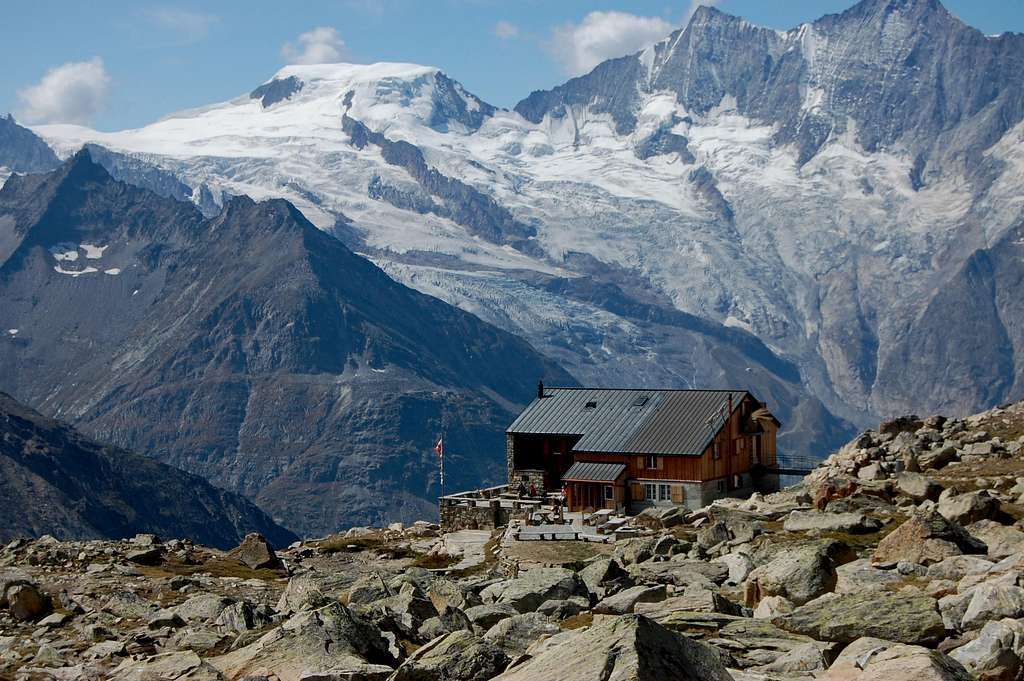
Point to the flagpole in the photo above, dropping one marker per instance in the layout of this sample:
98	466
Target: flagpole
442	463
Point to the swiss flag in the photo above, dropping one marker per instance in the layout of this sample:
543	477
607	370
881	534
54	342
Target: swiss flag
439	447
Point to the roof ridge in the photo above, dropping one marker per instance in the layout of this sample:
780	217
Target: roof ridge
661	390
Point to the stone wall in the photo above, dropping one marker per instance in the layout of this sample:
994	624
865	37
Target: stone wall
477	515
529	477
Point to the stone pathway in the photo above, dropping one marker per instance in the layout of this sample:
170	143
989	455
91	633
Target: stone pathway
469	544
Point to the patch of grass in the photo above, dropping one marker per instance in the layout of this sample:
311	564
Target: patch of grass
564	553
339	544
435	561
217	567
584	619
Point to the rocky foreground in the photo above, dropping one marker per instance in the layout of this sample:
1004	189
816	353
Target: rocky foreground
900	557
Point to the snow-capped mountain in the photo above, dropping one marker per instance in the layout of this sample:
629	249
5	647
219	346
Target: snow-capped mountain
780	210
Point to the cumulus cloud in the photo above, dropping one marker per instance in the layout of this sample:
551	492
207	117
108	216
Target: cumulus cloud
506	30
322	45
192	26
71	93
604	35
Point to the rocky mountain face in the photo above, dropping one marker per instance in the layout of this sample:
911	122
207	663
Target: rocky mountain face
60	483
899	557
784	211
251	348
22	151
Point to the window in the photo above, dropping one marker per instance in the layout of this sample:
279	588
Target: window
721	485
590	405
609	493
664	493
715	453
650	491
651	462
641	401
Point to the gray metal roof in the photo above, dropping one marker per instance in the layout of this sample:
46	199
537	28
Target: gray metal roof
613	420
589	471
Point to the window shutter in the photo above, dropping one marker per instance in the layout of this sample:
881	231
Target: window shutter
636	491
678	494
661	462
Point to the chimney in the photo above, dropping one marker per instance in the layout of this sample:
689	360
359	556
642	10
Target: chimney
540	390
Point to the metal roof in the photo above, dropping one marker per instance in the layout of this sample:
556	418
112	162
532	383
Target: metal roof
614	420
589	471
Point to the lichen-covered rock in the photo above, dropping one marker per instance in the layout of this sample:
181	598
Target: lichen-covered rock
458	656
303	592
846	617
515	634
533	587
311	641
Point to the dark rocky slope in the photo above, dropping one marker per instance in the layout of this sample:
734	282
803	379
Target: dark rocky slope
250	348
55	481
22	151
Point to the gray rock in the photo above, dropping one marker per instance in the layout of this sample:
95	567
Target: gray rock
925	538
968	508
917	486
561	609
854	523
873	659
164	618
515	634
601	572
996	651
458	656
527	592
486	616
860	576
740	566
958	567
256	552
626	648
175	665
625	601
312	641
303	592
1001	540
846	617
799	575
992	602
448	619
695	598
202	608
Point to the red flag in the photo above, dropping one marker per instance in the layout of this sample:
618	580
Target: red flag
439	447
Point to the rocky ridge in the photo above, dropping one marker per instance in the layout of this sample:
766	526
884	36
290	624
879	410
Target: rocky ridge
900	557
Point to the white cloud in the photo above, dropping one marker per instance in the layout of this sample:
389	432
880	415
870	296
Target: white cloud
192	26
506	30
604	35
71	93
322	45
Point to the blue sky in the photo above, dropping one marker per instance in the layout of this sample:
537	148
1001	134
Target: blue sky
116	64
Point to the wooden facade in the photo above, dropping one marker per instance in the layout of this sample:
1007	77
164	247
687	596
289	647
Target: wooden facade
742	445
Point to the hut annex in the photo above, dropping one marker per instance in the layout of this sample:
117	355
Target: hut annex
629	449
